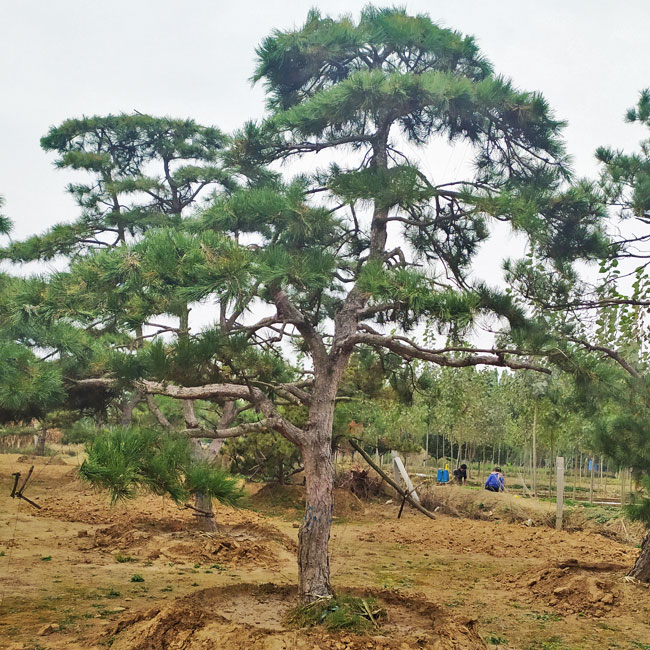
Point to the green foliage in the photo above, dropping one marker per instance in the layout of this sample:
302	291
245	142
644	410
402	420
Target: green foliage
265	457
5	223
81	431
28	389
123	461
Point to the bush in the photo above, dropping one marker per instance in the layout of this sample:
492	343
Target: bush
81	432
124	461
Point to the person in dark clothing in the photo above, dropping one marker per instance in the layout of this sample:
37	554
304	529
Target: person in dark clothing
460	474
496	482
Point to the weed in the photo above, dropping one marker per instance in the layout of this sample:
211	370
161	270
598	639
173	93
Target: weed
496	640
167	588
124	558
341	613
195	584
641	646
218	567
136	577
2	554
553	643
47	558
113	593
545	616
197	565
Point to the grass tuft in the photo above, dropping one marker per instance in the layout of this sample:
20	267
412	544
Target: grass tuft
343	612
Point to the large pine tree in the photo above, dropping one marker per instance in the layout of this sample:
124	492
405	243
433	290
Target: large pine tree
359	253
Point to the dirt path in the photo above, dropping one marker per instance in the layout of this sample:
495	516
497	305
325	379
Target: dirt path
141	572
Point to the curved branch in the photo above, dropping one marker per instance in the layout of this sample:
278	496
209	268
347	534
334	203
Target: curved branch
411	351
233	432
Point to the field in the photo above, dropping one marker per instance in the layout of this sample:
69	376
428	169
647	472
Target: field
81	574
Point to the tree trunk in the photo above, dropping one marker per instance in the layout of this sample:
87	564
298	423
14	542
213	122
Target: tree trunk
128	407
314	533
641	568
157	413
203	502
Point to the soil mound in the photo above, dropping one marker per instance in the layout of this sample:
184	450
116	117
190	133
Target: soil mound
41	460
572	587
236	548
251	617
274	496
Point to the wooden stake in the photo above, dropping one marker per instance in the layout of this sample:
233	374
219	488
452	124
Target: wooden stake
389	480
400	471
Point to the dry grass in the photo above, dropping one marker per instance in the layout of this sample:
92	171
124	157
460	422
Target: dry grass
481	504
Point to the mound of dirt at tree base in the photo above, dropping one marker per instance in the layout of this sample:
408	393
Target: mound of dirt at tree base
587	588
251	617
274	496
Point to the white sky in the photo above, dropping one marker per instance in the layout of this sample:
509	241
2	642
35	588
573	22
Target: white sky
64	58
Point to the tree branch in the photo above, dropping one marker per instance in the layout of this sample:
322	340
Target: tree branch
233	432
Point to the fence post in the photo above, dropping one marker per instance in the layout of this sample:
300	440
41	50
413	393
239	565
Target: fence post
559	471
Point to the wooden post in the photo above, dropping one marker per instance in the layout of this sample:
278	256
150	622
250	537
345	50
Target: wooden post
400	472
560	491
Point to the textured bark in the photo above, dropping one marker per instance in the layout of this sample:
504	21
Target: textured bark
203	502
157	413
314	533
128	407
191	421
641	568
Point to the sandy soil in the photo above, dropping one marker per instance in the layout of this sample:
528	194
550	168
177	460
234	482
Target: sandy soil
80	574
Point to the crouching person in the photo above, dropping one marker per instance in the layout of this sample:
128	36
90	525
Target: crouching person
496	482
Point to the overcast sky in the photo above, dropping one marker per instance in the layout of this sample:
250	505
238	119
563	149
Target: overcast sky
65	58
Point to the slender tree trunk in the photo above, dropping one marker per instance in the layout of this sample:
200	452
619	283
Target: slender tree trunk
534	458
550	473
641	568
580	469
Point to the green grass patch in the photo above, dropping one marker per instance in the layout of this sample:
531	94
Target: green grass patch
47	558
344	612
136	577
119	557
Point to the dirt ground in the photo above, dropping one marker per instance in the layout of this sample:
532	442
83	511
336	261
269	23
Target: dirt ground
80	574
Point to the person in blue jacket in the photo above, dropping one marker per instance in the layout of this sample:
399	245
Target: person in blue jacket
496	482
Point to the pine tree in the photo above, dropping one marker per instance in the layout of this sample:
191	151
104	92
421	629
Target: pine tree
360	253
